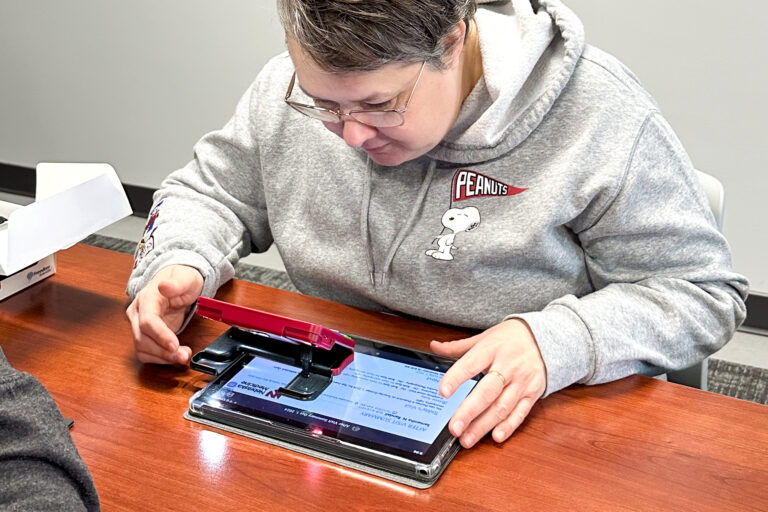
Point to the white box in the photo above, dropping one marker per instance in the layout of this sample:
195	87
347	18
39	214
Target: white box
71	202
38	271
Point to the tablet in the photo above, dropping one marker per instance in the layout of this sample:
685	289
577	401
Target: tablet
382	414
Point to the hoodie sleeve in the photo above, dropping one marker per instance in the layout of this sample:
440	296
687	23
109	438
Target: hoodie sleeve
210	213
40	468
665	294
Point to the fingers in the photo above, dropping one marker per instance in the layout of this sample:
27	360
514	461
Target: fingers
515	379
153	327
489	396
182	356
456	348
180	294
474	361
503	416
153	322
171	290
505	429
186	355
148	350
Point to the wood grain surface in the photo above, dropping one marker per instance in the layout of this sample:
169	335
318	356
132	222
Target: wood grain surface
635	444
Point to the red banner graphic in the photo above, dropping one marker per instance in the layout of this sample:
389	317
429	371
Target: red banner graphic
468	184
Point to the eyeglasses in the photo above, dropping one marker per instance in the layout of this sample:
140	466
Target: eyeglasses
388	118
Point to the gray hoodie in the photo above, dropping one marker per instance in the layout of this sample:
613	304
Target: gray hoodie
560	196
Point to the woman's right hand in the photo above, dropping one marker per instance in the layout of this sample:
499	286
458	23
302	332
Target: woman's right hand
158	311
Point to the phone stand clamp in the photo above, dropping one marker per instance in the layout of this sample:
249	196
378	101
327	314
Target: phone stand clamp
319	352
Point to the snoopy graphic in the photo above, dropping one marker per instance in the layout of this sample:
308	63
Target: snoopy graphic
457	220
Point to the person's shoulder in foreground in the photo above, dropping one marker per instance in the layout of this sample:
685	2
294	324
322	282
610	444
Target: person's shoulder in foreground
40	468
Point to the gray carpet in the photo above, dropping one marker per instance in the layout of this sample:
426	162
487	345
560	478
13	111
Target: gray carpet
738	380
726	378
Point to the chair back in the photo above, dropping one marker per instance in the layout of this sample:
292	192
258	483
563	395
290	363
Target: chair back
715	195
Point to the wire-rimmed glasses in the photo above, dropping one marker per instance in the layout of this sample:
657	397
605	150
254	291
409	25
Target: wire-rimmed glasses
387	118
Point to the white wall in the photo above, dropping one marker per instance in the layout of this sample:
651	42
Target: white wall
134	83
137	83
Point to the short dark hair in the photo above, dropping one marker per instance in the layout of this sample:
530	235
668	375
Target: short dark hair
363	35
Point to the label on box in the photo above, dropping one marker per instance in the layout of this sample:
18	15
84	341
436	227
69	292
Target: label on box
28	276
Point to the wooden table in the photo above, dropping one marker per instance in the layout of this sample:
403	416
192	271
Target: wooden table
635	444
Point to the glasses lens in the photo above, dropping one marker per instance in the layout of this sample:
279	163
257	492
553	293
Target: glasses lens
380	119
315	113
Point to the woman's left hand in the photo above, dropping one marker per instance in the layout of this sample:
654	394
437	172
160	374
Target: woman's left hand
515	377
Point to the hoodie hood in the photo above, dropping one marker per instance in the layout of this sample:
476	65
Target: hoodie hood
534	47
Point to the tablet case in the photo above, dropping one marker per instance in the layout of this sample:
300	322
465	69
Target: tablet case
395	477
319	352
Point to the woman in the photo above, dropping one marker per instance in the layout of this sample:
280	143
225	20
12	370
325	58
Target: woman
493	172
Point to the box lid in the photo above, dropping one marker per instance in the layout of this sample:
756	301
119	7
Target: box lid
72	200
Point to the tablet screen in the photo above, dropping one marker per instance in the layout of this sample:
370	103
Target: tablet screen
387	399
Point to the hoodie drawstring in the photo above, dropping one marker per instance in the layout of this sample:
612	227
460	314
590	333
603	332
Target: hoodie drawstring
366	232
404	230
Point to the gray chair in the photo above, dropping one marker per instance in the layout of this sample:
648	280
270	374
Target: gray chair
696	375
